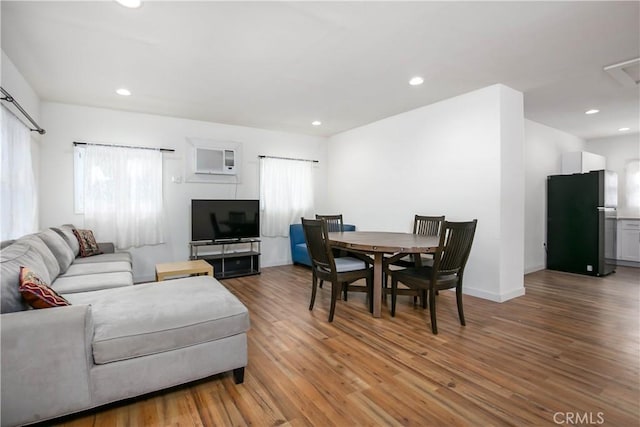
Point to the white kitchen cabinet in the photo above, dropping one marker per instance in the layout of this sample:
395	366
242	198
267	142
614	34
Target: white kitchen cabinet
628	246
582	162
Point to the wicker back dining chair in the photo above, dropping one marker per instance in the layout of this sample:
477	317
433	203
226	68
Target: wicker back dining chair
341	272
424	226
449	262
427	225
334	222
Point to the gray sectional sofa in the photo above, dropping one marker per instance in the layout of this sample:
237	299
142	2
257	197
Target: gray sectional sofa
116	340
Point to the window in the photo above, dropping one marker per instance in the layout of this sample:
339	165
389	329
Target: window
19	199
632	184
119	190
286	194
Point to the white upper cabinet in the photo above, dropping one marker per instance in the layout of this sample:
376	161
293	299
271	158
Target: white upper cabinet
582	162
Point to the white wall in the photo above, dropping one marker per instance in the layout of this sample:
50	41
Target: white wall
618	150
13	82
68	123
543	156
445	158
511	166
391	163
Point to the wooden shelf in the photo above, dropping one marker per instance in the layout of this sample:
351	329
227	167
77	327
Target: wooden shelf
227	264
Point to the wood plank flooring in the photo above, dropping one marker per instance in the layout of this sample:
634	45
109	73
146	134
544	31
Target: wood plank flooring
568	349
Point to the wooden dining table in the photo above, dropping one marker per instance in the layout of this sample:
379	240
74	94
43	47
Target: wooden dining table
379	243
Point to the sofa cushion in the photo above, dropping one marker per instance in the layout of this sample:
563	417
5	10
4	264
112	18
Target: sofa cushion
114	257
96	268
12	258
58	247
157	317
66	231
88	244
347	263
49	258
37	293
92	282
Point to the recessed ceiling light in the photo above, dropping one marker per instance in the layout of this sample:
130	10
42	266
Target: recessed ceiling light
623	129
132	4
592	111
415	81
316	122
123	92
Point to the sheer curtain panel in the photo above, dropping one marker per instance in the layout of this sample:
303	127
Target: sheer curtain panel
286	194
18	197
123	195
632	184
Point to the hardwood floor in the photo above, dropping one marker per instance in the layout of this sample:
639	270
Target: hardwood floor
568	350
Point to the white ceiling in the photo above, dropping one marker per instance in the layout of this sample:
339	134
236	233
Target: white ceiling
281	65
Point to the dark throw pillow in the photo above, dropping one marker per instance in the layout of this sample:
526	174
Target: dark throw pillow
88	245
37	293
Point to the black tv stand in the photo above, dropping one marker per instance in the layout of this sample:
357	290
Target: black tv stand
229	257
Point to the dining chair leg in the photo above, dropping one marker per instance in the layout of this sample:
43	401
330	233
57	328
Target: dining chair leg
423	296
335	291
314	286
345	290
385	286
432	310
370	293
321	284
394	292
459	301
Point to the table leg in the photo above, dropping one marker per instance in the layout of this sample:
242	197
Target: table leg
377	283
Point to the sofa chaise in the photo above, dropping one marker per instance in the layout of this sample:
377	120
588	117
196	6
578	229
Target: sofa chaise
116	340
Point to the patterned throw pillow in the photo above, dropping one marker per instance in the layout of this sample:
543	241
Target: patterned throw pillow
88	245
37	293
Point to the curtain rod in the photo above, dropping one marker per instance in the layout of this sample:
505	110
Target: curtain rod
166	150
287	158
7	97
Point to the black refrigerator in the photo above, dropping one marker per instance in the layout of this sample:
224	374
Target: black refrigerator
581	222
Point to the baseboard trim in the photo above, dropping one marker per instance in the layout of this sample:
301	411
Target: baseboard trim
628	263
534	269
143	279
494	297
275	263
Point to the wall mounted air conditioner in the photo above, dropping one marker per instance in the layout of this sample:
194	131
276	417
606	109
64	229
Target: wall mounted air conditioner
215	161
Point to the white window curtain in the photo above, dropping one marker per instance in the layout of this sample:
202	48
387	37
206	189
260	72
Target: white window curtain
632	184
286	194
18	197
123	195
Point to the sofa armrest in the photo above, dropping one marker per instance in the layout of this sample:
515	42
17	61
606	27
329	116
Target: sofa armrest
296	234
106	247
46	358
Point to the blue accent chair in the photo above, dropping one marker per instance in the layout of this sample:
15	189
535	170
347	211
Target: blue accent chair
299	253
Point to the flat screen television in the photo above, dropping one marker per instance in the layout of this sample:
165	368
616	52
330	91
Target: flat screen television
218	220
